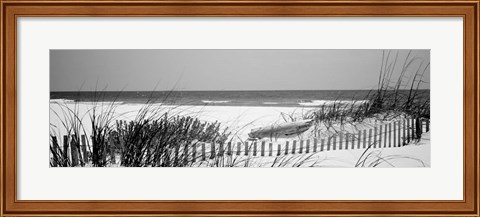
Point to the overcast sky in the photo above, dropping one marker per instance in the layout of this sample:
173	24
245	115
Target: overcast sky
142	70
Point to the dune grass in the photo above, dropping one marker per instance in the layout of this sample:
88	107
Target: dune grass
152	138
394	97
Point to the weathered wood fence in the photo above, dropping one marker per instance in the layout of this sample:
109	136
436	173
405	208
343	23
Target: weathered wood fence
389	135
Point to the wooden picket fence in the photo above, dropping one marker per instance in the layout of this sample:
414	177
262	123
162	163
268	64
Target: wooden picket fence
390	135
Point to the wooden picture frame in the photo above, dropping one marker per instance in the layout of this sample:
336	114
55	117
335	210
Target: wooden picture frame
13	9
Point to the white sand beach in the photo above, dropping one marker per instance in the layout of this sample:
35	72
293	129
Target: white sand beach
241	119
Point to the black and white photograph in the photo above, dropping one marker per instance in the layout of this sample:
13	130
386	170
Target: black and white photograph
240	108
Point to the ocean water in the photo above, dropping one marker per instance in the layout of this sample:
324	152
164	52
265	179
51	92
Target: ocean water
281	98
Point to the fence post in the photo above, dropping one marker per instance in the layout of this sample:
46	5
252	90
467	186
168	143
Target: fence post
301	147
279	149
380	137
322	144
203	151
270	147
308	146
427	125
229	148
239	144
286	148
375	138
315	144
254	148
263	148
65	151
294	146
246	148
84	149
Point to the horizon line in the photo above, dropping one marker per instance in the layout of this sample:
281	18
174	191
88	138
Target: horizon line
218	90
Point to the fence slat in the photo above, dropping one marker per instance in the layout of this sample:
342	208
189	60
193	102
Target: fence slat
263	148
329	143
347	136
413	129
385	136
279	149
239	147
229	148
427	126
112	151
375	138
359	139
73	152
308	146
301	147
421	126
418	128
270	147
185	153
340	139
246	148
334	142
380	133
369	137
65	151
221	149
194	152
395	134
212	150
408	130
294	146
54	159
399	139
203	152
389	134
365	139
177	147
254	148
84	148
322	144
315	145
404	133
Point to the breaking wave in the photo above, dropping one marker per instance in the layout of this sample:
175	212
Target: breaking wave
215	102
333	102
